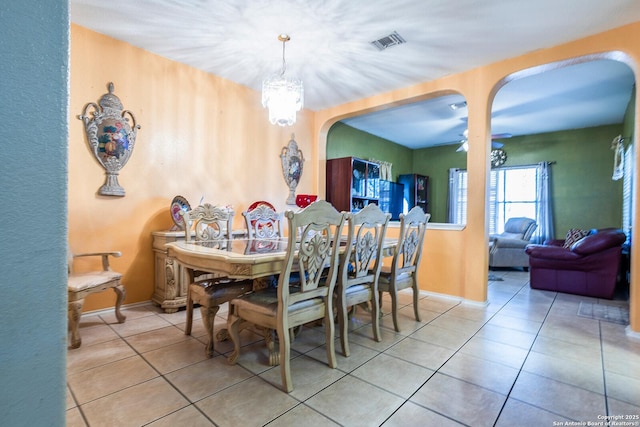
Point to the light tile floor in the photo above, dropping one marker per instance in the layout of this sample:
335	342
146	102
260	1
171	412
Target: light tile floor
524	359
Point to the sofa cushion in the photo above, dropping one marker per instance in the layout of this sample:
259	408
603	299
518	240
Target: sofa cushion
598	242
506	235
553	253
529	231
573	235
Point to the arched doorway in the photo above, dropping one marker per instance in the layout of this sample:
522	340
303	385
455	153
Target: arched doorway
570	123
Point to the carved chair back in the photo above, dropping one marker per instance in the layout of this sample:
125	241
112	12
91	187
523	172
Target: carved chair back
360	266
312	252
409	250
361	261
210	223
263	222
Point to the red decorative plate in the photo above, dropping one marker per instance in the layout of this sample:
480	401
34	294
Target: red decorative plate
259	203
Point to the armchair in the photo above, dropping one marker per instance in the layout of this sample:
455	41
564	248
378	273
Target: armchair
507	249
79	285
589	267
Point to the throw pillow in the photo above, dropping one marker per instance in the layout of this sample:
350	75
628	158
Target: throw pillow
573	235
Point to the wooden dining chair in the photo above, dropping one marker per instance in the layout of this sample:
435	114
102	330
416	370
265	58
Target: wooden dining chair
212	225
263	222
403	271
81	284
360	265
313	245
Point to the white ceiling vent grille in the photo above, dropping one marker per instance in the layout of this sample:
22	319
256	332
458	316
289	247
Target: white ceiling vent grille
388	41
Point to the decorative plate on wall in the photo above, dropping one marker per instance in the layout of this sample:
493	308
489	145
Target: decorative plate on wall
179	204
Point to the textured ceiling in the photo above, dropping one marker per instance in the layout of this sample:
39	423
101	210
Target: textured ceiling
578	96
330	47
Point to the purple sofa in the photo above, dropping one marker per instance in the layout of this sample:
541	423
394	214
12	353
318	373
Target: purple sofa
589	267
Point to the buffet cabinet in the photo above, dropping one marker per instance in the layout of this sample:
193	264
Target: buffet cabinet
352	183
171	279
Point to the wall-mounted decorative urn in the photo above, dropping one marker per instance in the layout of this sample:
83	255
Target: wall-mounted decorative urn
292	163
111	137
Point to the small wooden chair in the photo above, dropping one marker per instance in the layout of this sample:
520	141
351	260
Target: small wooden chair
360	266
313	244
212	224
79	285
403	272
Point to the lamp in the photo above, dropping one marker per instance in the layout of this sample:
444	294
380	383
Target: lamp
282	96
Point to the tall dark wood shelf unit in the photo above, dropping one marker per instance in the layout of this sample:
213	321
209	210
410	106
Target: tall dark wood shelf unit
416	191
352	183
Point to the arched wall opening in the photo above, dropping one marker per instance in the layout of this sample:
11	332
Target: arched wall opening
455	261
599	92
423	140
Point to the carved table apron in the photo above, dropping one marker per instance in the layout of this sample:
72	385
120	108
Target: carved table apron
238	258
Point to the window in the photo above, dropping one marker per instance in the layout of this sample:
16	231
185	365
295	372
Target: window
512	193
457	209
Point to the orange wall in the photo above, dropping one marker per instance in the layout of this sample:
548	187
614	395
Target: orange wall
455	262
201	136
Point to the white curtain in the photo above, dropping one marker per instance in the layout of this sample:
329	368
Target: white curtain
385	171
545	211
457	204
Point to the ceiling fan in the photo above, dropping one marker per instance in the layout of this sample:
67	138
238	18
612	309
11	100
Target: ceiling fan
464	143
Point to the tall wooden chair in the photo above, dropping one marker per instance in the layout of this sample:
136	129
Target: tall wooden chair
79	285
263	222
403	272
214	225
360	266
313	245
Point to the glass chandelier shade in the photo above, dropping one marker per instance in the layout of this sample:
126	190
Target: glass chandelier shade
281	95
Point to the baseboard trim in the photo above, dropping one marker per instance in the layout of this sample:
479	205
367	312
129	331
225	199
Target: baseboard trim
110	309
454	298
631	333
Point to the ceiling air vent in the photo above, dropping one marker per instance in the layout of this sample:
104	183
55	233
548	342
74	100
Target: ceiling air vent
388	41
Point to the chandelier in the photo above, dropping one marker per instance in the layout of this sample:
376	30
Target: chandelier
282	96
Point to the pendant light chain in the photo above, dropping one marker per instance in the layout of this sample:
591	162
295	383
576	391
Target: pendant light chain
284	64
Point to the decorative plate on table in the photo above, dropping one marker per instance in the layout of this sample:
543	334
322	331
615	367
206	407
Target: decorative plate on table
179	204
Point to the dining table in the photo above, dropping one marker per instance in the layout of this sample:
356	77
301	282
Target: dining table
240	259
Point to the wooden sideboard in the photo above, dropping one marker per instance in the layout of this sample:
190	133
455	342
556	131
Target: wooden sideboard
170	278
